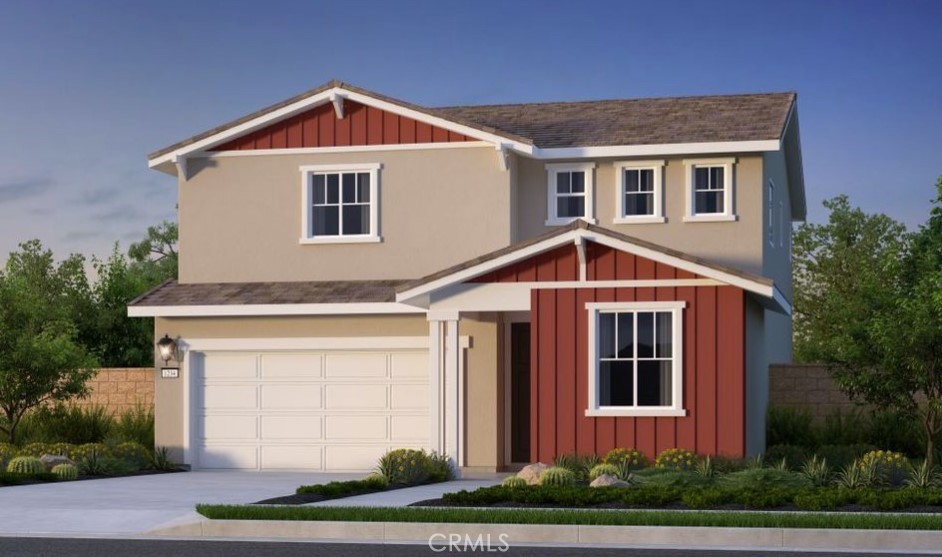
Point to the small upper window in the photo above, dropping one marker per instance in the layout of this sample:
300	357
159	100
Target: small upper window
340	204
569	193
639	192
635	359
710	190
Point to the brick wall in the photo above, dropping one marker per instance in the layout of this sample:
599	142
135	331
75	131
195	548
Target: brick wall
807	387
120	389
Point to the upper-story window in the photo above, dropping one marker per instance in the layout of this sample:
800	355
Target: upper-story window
570	193
340	203
640	197
710	190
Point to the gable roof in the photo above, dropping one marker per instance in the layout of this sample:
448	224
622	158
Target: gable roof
579	231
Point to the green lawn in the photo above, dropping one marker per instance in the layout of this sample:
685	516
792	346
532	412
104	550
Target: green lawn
579	517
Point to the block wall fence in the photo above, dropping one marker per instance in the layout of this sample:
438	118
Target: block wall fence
120	389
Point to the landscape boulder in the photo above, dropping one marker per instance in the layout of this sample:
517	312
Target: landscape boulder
607	480
52	460
531	473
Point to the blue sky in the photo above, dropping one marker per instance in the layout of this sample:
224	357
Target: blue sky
88	88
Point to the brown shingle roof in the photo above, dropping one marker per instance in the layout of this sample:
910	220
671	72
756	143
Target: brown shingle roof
637	121
172	293
590	123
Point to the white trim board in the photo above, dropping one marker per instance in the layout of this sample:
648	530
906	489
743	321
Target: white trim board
235	310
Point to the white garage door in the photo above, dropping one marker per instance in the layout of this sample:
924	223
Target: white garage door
313	410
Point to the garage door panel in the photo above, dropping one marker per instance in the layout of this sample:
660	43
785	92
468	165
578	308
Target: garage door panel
229	456
230	397
409	365
409	397
345	428
292	427
409	428
288	366
230	427
356	365
363	397
286	457
291	397
316	410
352	457
230	366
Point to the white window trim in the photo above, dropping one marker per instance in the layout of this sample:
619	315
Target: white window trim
551	170
676	409
658	217
307	208
729	199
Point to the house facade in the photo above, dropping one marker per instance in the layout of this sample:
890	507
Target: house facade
499	283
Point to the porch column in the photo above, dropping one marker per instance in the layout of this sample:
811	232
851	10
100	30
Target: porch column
444	369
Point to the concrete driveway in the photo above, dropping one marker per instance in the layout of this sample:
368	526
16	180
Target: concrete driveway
134	505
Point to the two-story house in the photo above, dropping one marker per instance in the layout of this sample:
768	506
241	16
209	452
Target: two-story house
500	283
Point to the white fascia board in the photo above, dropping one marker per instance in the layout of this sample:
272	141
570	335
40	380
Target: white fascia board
658	149
273	309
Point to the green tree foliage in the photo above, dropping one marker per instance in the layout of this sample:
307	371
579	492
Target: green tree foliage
155	257
41	355
868	303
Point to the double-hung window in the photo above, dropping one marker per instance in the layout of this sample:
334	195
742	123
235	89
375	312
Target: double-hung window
340	204
710	190
569	193
640	192
635	359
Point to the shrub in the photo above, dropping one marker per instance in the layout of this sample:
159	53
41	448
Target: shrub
705	469
788	426
376	480
630	459
558	476
332	490
133	453
34	449
770	498
135	425
580	465
676	459
888	467
65	471
823	499
923	476
855	475
793	455
7	451
84	451
843	429
670	478
651	496
513	482
840	456
161	460
817	471
764	478
62	449
440	469
71	424
605	468
26	465
706	498
98	464
405	466
726	464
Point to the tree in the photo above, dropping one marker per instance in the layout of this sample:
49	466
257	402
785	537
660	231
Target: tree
41	358
868	304
156	255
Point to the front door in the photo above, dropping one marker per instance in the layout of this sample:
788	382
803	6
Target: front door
520	392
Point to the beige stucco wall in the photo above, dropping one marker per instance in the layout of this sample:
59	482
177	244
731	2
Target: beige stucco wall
240	217
730	243
480	366
482	393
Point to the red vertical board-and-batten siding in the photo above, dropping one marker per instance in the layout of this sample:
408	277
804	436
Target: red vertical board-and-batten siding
360	125
714	358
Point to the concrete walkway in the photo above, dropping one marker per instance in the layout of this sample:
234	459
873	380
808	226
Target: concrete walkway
407	496
132	505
